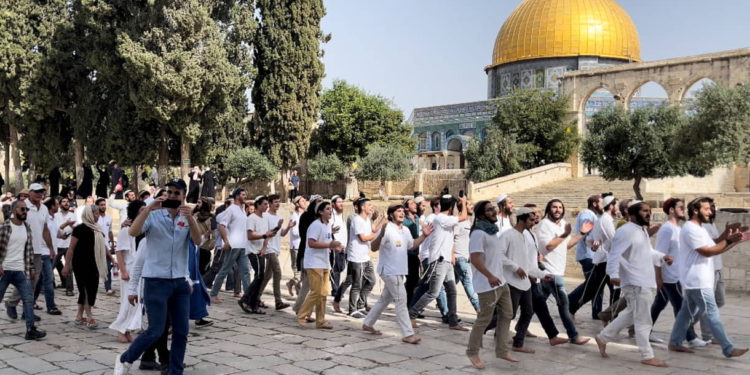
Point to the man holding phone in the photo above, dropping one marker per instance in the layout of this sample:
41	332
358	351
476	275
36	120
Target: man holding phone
273	267
166	282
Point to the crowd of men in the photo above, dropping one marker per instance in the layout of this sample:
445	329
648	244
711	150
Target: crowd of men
510	261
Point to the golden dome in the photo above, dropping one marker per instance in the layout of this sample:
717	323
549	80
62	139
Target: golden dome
564	28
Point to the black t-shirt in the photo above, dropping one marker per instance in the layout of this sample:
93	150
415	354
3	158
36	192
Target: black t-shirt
83	255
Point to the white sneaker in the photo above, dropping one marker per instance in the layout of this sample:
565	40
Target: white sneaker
358	314
655	339
697	343
121	368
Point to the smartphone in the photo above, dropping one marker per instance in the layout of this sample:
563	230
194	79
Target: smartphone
171	203
461	194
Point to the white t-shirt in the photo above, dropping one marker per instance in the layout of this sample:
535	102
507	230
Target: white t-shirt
36	217
294	237
318	258
696	271
424	248
714	233
668	242
259	225
461	239
126	244
60	219
359	251
53	229
604	232
343	233
442	237
235	220
489	246
393	259
105	224
274	243
16	247
554	260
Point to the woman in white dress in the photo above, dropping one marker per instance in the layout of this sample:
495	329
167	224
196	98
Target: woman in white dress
129	318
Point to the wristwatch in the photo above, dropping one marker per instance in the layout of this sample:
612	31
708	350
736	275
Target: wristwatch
265	236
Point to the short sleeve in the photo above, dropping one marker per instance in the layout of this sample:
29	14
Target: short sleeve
698	237
251	224
544	236
225	217
314	231
123	241
79	231
663	239
361	226
476	242
449	222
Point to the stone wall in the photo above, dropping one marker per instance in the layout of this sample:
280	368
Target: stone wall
719	181
520	181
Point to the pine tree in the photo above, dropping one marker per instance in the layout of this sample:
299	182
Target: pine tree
287	88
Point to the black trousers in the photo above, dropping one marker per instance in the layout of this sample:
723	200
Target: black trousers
252	297
522	299
338	265
363	280
412	279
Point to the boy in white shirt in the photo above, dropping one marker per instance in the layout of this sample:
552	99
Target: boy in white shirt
273	267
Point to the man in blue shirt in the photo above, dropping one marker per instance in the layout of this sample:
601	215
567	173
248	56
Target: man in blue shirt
167	224
584	254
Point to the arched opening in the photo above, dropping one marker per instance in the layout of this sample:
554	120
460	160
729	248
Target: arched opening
455	145
449	134
696	88
436	142
468	132
649	94
484	133
598	100
424	142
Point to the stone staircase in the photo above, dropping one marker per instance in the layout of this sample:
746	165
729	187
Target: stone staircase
574	191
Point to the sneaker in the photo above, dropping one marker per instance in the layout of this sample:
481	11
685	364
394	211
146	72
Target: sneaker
35	334
121	368
201	323
697	343
149	366
357	314
655	339
11	311
54	311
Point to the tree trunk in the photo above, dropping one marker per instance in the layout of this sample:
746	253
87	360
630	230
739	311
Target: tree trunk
17	174
637	188
31	174
352	187
136	188
381	191
163	163
184	157
78	161
284	193
7	164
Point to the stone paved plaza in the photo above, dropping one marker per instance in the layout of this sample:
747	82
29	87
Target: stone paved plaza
272	344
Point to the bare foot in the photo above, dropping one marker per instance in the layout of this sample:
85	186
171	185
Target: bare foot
216	300
476	362
414	323
680	349
372	330
337	308
573	316
654	362
302	323
123	338
411	339
605	323
602	347
509	358
459	328
580	340
531	335
557	341
325	325
737	352
129	336
523	349
309	319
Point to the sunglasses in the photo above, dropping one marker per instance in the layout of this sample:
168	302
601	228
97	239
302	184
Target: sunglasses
23	209
176	193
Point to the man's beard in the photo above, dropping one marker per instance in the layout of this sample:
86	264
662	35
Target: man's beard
507	212
642	221
598	210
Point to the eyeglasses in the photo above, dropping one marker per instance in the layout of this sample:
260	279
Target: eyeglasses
23	209
176	193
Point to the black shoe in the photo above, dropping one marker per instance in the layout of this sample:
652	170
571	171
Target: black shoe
54	311
149	366
36	317
200	323
34	334
11	311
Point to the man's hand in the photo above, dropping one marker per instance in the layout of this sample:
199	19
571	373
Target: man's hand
156	204
52	254
428	230
548	277
586	227
226	247
127	223
668	259
186	211
568	229
1	270
615	282
263	251
66	270
494	281
336	246
291	224
375	215
595	245
133	300
124	275
653	229
521	273
335	229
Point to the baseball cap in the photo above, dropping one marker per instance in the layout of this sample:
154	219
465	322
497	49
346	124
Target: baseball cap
37	187
178	183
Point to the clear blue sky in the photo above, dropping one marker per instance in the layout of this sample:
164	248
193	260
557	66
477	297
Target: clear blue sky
431	52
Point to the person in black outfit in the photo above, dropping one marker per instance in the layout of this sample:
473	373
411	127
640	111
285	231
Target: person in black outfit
54	182
87	185
194	187
103	183
118	177
209	184
2	183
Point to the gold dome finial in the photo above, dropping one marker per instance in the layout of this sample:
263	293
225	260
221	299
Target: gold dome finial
564	28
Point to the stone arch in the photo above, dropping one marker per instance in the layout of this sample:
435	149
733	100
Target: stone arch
694	87
455	144
650	91
435	141
450	133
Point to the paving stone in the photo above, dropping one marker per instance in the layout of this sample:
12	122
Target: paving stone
342	370
30	364
315	365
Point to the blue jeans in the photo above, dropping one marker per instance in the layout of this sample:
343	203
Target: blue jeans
463	274
235	255
46	281
555	288
670	293
698	302
424	286
163	297
108	281
23	285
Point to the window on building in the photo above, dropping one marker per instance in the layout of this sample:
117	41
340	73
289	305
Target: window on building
436	142
424	142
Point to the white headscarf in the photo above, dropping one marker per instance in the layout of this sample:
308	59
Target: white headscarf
100	251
